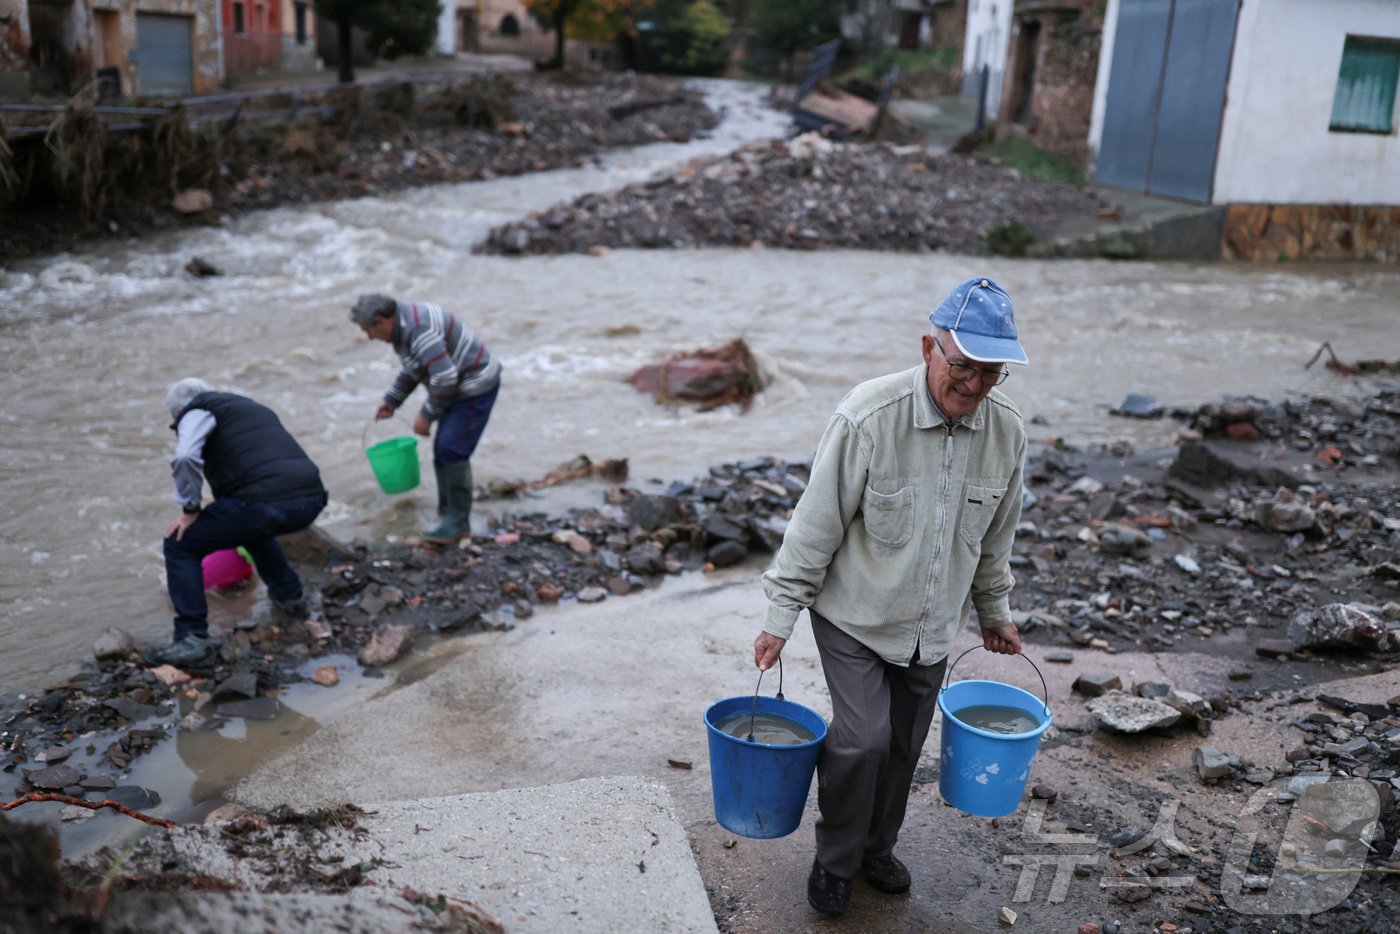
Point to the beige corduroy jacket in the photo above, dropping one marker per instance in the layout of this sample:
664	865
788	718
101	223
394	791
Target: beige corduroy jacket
907	522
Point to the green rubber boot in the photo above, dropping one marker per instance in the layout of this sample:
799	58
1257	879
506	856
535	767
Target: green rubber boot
455	490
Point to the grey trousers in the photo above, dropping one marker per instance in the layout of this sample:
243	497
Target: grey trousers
881	714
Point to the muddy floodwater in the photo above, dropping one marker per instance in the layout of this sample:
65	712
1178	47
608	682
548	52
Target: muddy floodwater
92	339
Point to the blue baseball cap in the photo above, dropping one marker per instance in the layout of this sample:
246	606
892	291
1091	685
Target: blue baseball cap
979	315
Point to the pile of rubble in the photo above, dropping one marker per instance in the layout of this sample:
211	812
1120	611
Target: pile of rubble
811	193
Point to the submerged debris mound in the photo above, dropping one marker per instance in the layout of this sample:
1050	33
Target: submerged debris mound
709	377
809	193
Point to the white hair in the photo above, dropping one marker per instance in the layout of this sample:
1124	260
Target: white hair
182	392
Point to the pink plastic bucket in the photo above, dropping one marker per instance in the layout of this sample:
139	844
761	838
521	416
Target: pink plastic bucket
225	568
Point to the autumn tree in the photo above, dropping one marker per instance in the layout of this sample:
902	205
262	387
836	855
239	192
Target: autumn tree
392	27
595	20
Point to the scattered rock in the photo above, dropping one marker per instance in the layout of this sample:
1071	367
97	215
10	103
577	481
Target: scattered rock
192	201
386	645
113	643
1125	713
326	676
1337	625
1096	683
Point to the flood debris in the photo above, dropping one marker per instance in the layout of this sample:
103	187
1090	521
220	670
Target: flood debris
809	193
709	377
1351	369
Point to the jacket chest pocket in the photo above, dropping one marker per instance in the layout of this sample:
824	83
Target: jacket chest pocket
889	517
981	498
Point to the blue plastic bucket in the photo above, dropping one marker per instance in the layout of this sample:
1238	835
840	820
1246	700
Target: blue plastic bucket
981	772
761	790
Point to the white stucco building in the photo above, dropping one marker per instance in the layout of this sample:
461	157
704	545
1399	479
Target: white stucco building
1277	101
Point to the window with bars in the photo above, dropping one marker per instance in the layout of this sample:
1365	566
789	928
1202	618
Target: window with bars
1365	97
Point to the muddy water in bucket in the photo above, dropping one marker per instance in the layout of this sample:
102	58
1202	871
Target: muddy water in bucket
998	718
766	728
760	784
990	734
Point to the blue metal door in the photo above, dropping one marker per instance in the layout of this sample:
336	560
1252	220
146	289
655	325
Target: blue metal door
1134	82
1166	94
164	58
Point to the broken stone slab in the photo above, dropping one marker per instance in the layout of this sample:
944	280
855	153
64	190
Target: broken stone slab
1096	683
1338	625
1212	763
1125	713
386	645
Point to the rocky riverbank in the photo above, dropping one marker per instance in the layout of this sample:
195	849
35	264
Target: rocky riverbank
1268	537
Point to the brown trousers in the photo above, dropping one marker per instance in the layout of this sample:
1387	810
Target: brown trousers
881	714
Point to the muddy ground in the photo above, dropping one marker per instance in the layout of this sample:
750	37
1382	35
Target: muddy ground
1223	550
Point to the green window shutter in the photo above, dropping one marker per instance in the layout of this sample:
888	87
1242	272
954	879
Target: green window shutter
1365	98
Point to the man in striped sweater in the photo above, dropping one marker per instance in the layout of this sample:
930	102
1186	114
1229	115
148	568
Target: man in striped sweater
461	378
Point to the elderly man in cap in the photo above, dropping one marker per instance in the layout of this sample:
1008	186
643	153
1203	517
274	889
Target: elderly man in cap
462	380
264	485
906	523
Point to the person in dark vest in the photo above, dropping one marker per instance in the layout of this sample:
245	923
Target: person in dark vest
264	485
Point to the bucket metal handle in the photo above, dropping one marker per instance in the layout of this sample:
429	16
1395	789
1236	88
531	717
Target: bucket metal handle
753	711
372	422
949	673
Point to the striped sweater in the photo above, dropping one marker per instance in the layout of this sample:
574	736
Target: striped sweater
439	352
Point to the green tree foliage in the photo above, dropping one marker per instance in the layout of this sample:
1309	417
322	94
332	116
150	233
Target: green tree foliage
392	27
690	38
790	26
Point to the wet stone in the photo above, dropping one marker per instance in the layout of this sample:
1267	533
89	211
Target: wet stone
592	595
134	797
237	684
54	778
259	708
129	709
1096	683
113	643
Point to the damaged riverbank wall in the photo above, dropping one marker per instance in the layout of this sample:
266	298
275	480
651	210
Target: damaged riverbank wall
1312	232
62	47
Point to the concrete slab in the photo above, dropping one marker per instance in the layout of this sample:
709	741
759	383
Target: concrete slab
600	854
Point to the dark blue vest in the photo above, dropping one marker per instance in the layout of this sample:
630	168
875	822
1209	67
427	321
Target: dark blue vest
249	455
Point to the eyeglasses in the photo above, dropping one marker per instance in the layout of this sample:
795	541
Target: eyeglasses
962	372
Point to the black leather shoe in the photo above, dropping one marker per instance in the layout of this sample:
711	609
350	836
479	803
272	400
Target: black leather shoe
827	893
886	873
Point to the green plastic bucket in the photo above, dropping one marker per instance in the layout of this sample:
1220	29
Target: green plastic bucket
395	464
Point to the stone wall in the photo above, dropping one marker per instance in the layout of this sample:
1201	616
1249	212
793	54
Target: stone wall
1311	232
1053	107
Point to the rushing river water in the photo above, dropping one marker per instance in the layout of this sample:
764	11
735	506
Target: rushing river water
91	340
